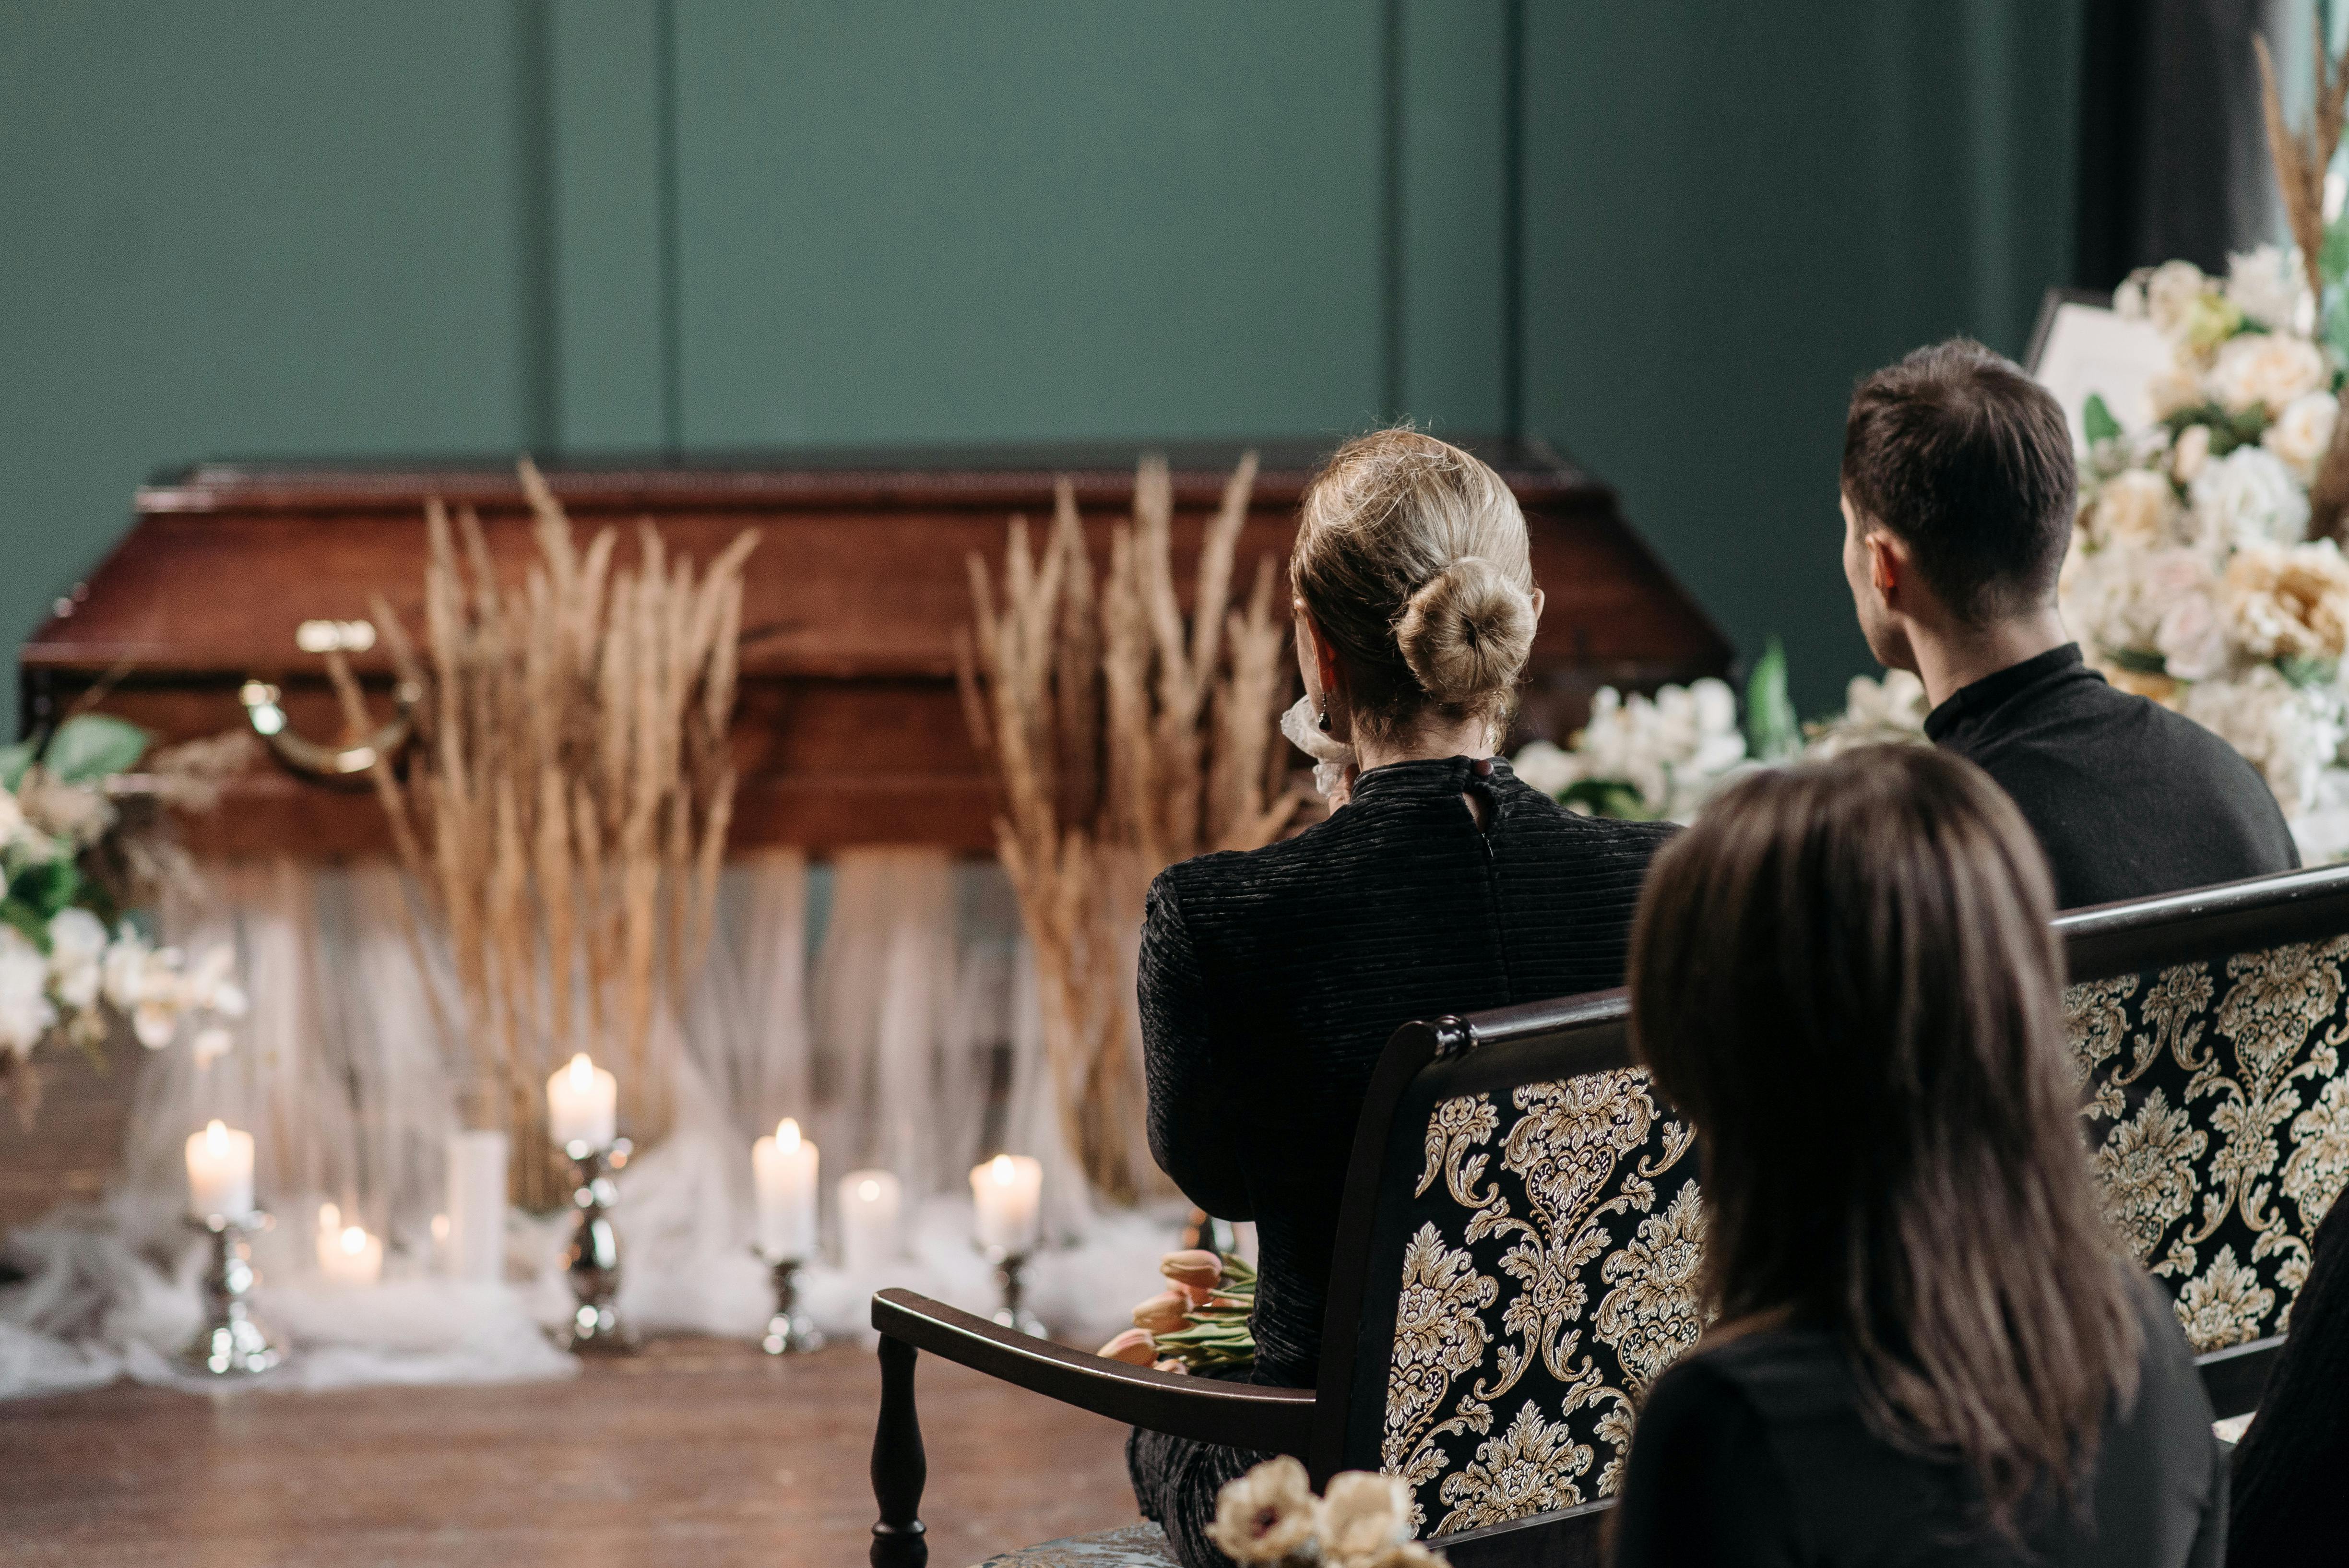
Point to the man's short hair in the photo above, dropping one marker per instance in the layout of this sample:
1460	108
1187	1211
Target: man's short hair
1968	462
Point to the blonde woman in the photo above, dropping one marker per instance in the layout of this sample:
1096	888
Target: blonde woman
1271	979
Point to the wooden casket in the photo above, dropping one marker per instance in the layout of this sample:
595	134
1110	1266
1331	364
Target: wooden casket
850	730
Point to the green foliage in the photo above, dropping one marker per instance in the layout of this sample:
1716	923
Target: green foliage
2309	672
44	886
2138	661
1606	797
1217	1336
88	747
2098	420
2228	431
16	912
13	761
1772	734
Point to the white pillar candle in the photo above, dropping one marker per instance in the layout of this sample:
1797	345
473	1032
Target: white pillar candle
868	1221
582	1105
350	1256
785	1167
1005	1190
220	1172
477	1206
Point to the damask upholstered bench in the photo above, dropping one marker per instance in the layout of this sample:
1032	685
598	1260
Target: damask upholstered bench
1518	1252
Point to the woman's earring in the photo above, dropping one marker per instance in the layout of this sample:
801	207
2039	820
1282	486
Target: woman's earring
1324	721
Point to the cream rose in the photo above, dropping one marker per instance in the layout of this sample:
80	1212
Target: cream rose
2192	452
2136	509
2173	389
2168	292
1268	1515
2267	285
1364	1516
2302	432
2289	604
2268	369
2192	638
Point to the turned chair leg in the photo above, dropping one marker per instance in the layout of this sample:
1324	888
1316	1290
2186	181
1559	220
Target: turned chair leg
899	1469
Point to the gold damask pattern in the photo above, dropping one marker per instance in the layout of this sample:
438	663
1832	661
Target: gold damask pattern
1540	1298
2218	1114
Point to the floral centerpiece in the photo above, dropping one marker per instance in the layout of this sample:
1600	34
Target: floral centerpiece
82	843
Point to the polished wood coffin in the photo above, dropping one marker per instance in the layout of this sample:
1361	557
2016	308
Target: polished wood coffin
850	730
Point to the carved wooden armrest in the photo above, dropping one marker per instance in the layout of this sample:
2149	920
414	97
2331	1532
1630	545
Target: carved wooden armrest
1205	1408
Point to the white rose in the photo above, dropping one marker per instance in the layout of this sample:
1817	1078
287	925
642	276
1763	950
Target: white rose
2248	497
2302	433
1364	1516
26	1011
2286	732
2192	452
1545	766
126	970
2135	508
1266	1515
2191	638
2267	285
2266	369
77	957
2170	292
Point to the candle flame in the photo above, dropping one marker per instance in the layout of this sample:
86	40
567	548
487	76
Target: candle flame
354	1242
787	1134
329	1217
868	1190
439	1227
583	1072
215	1137
1001	1168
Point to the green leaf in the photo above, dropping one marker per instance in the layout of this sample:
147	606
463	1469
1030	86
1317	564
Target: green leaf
88	747
2333	257
2308	672
1771	731
2138	661
46	886
2098	420
13	760
1606	797
2336	322
16	912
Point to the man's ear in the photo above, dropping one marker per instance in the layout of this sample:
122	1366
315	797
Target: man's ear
1889	567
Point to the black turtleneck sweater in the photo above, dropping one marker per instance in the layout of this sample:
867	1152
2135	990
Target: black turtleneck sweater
2128	799
1271	980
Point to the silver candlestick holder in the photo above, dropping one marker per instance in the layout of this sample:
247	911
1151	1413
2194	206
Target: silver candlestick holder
593	1260
790	1331
1011	1288
233	1342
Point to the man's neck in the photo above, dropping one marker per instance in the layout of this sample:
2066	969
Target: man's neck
1950	661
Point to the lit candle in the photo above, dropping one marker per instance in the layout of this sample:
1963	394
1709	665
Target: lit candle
785	1166
1006	1189
581	1103
350	1256
220	1173
868	1221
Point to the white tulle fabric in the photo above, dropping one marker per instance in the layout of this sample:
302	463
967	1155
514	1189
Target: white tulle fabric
887	1000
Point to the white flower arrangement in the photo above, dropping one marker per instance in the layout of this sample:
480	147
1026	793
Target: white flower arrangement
1269	1518
63	972
2191	577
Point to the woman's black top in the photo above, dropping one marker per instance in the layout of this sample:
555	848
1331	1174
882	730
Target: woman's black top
1754	1455
1271	980
2291	1474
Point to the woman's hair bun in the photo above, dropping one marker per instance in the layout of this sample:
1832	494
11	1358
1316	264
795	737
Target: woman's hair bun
1466	633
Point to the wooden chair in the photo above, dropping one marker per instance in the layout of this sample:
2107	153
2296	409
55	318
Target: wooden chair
1517	1254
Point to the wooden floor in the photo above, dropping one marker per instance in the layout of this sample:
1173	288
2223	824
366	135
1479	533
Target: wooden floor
697	1454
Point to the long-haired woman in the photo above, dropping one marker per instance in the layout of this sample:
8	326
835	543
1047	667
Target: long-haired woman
1926	1347
1270	980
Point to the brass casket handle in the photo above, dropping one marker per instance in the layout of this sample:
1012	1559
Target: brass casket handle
265	710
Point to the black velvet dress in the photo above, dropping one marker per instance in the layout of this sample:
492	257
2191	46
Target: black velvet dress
1271	980
2289	1508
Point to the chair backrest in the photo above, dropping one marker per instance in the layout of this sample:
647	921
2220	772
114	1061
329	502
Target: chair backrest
1517	1254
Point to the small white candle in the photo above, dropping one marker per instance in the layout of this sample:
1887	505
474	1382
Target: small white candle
785	1166
1006	1189
582	1105
868	1221
476	1220
350	1256
220	1172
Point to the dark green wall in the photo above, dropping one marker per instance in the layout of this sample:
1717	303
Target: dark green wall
1666	236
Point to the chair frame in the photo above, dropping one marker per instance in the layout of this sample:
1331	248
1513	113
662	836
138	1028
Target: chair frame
1424	1062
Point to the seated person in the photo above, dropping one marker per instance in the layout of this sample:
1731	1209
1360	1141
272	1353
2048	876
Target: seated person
1928	1347
2288	1510
1271	980
1958	495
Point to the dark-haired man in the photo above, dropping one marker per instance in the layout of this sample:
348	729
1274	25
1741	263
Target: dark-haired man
1957	495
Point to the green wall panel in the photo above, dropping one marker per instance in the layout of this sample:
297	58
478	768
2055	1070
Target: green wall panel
1732	212
940	222
241	228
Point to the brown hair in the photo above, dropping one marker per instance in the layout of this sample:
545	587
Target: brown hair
1845	976
1967	461
1412	558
